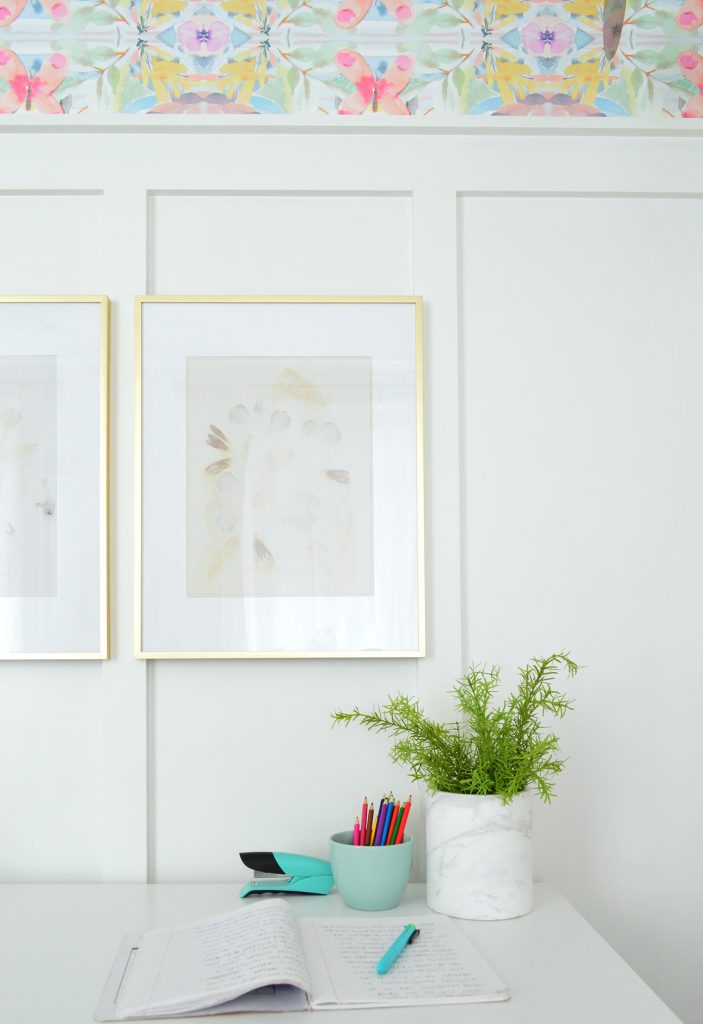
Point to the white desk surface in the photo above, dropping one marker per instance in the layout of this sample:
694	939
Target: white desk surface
58	942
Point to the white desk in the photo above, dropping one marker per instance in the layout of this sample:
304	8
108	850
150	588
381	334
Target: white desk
57	944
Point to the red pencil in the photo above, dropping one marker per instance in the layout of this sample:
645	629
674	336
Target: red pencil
391	824
356	832
369	826
364	812
403	820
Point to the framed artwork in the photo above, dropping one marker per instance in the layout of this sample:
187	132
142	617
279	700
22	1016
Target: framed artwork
279	477
54	394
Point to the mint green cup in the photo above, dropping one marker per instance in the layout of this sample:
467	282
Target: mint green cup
370	877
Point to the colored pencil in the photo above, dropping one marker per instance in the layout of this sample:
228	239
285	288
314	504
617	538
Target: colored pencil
364	812
401	809
386	824
378	830
369	825
392	825
406	812
372	836
357	832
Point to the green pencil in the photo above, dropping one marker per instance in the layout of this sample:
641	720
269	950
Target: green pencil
399	815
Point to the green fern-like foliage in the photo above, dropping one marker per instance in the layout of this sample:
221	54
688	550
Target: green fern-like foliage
495	749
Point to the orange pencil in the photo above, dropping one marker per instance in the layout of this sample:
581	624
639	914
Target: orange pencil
391	824
369	826
403	820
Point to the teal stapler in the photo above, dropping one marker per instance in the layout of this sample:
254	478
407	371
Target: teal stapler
286	872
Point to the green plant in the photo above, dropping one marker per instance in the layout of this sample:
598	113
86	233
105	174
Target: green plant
499	749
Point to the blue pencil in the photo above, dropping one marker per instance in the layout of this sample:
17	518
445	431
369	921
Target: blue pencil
381	822
386	823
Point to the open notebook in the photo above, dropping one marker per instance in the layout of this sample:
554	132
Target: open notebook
263	958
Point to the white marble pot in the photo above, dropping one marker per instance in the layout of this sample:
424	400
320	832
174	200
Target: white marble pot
479	856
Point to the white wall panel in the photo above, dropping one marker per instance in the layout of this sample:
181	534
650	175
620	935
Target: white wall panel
51	243
245	758
583	504
50	742
50	721
245	753
280	244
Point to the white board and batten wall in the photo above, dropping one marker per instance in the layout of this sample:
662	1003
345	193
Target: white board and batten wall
564	495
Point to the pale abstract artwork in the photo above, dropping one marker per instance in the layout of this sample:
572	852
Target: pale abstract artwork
279	477
28	474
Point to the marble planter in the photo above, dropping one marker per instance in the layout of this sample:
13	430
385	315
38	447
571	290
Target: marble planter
479	856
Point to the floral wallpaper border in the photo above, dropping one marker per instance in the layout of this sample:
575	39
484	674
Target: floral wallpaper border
526	58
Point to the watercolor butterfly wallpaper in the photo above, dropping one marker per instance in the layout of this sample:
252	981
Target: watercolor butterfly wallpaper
526	58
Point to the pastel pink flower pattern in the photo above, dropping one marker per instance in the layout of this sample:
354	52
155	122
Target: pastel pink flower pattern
203	35
546	36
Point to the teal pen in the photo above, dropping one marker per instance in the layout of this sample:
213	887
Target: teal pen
396	948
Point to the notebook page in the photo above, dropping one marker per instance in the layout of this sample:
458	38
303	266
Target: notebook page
440	966
199	965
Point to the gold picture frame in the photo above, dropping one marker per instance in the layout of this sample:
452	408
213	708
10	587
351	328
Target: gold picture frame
82	422
175	335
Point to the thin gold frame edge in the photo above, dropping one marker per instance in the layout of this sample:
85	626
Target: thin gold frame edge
417	302
242	299
271	655
103	652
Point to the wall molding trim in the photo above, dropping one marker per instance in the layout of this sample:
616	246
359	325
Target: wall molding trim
380	124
